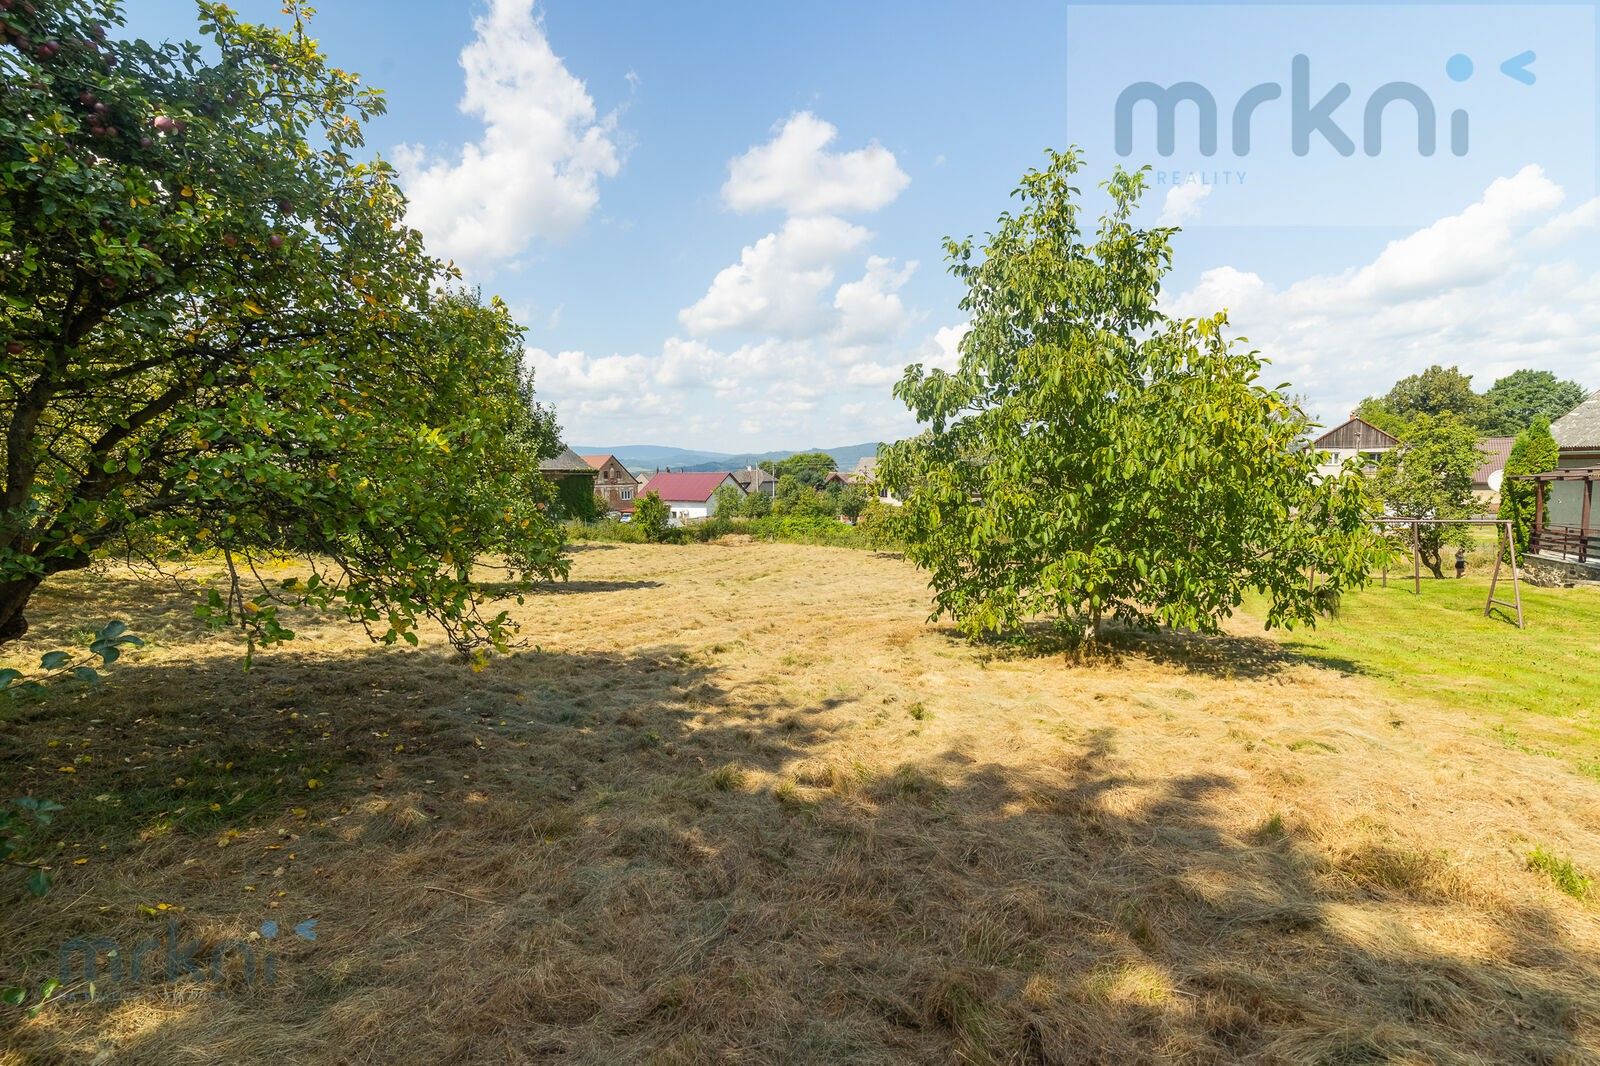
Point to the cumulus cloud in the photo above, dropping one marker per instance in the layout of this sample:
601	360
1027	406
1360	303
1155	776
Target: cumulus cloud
1584	217
574	373
765	390
870	308
776	285
796	173
535	173
1460	291
1183	203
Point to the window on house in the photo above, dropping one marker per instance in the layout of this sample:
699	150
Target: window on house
627	494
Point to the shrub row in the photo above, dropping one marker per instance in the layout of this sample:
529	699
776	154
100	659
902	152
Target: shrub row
875	530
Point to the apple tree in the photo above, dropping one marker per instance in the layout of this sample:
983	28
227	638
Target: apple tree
1092	459
218	334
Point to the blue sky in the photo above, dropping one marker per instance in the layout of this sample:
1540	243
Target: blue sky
722	222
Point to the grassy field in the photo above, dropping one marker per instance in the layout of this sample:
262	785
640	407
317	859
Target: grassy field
741	803
1538	686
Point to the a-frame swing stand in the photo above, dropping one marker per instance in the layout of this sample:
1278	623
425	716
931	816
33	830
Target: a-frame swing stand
1505	546
1505	550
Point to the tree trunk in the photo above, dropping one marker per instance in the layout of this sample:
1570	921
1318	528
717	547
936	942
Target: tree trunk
14	597
1433	559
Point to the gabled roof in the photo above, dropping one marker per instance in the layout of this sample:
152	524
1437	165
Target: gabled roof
752	475
1355	433
599	462
565	462
692	487
1579	427
866	467
1497	450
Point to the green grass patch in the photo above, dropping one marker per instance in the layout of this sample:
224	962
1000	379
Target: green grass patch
1541	683
1565	876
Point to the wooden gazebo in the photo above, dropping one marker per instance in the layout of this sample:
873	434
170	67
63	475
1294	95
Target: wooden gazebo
1565	516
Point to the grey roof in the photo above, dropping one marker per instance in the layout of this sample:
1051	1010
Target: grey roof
1579	427
566	462
752	475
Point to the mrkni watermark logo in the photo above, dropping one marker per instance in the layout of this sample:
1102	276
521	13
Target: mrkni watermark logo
97	967
1360	114
1313	112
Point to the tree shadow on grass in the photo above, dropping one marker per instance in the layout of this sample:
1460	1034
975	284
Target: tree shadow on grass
595	858
1225	656
582	585
496	590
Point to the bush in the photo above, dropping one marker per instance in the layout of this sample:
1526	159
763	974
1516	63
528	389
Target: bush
881	526
876	530
653	517
712	528
609	530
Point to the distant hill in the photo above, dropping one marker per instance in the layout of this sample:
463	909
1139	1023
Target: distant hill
646	457
649	456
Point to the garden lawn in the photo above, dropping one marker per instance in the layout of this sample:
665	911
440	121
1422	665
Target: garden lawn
741	802
1537	687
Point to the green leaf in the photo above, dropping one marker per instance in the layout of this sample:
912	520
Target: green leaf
13	995
8	676
39	883
54	660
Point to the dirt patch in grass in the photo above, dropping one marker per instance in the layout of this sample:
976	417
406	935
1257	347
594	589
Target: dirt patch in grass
743	804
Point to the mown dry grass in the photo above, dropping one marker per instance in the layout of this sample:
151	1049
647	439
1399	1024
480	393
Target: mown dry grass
742	804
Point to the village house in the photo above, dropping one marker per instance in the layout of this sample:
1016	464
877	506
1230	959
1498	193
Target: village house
865	476
1566	522
753	479
565	466
1491	472
690	496
614	483
1355	438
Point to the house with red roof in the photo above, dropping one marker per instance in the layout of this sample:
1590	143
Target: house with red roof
614	483
688	494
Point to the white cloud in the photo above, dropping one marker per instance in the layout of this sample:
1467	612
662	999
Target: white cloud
1183	203
1584	217
796	173
942	351
574	373
1461	291
777	284
1465	249
535	173
870	309
803	391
